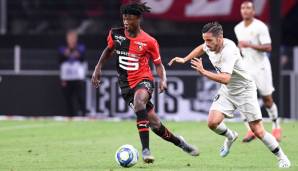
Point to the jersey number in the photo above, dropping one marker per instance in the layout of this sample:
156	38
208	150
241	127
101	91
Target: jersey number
128	63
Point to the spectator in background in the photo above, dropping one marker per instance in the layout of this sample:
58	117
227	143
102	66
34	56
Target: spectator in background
72	74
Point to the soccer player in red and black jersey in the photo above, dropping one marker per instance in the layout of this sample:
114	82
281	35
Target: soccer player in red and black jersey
133	49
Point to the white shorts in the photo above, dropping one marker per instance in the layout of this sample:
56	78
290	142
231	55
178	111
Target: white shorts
246	103
263	78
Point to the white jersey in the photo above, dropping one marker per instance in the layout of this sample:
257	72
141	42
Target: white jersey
256	62
256	33
229	60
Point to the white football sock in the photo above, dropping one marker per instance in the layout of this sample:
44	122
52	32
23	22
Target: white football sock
272	145
273	114
223	130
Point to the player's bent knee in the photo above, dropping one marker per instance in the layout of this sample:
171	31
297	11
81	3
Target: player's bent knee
268	101
212	124
259	133
139	104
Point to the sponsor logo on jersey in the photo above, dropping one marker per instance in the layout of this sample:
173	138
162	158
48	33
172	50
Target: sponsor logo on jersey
119	39
127	61
125	53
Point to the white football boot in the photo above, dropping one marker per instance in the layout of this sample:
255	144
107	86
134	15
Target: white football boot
225	149
284	162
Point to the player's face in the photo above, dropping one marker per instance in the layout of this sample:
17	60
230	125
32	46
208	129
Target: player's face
247	11
212	42
130	22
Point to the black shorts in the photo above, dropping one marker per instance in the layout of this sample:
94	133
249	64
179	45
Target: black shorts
128	93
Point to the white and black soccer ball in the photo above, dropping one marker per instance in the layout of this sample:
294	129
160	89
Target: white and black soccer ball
127	156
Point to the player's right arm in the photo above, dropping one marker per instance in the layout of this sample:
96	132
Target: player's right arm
106	54
198	51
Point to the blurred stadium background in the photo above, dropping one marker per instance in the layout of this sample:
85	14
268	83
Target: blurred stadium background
32	30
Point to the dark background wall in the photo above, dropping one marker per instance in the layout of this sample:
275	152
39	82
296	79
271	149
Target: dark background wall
31	95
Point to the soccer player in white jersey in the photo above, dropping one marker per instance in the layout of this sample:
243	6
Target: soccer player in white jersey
254	42
238	90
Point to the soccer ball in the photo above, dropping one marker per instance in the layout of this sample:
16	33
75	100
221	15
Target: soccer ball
127	156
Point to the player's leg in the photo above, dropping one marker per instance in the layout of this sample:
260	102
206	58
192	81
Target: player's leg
216	124
249	135
141	97
159	129
271	108
265	87
270	142
252	112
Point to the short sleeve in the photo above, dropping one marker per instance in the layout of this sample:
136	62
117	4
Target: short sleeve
236	32
229	57
154	52
110	40
264	35
205	49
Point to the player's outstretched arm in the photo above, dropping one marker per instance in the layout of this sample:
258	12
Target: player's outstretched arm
223	78
106	54
198	51
161	72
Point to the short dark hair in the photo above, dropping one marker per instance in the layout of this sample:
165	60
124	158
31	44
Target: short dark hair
135	8
246	2
214	27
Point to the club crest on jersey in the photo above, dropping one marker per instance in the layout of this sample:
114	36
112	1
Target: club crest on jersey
140	45
119	39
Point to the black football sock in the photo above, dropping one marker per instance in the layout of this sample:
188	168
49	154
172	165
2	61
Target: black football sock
165	134
143	127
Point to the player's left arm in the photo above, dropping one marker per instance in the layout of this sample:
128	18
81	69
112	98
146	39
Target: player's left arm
160	69
161	72
223	77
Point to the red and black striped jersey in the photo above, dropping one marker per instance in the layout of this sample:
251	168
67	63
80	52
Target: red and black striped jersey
133	56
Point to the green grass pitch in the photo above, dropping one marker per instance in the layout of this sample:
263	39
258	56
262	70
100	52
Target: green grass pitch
91	145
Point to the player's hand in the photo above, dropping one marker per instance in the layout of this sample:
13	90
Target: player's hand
162	86
198	65
243	44
96	78
178	60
